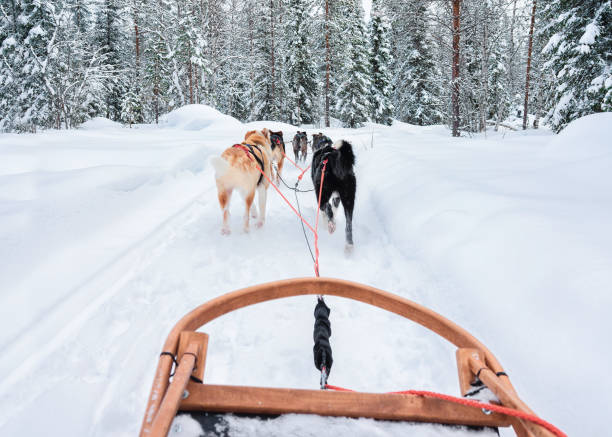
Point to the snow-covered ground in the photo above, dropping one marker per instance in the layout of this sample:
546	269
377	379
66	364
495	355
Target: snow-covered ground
109	235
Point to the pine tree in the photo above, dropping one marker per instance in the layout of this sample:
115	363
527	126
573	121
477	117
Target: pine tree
234	83
131	105
267	97
299	64
34	100
109	38
11	38
156	81
417	98
579	53
499	100
380	61
353	105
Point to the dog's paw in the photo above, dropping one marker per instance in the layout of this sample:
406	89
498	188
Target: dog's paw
225	231
259	224
348	249
331	226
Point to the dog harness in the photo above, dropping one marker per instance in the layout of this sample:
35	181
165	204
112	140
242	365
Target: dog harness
259	160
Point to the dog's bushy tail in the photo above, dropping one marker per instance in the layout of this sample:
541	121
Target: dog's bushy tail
220	165
345	158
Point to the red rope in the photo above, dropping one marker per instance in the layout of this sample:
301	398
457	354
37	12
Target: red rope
314	230
316	234
302	174
475	404
296	166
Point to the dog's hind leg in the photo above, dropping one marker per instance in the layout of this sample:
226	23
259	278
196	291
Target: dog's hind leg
248	200
262	193
328	214
348	214
348	203
224	201
326	209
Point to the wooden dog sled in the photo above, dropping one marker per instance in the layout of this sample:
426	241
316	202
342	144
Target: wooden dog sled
185	392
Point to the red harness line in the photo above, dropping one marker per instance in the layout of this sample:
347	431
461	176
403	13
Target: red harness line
291	161
313	230
297	166
475	404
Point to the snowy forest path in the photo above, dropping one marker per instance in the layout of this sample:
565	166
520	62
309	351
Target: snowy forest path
108	333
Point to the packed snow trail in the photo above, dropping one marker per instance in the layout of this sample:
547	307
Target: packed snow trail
437	220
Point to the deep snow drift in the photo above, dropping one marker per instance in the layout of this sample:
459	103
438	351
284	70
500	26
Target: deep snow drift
109	235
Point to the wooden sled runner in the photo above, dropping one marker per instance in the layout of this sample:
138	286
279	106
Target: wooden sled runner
186	393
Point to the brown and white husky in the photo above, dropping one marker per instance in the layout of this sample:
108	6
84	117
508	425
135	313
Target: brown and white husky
238	168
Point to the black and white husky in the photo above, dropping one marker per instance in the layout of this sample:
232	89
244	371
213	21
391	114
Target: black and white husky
339	184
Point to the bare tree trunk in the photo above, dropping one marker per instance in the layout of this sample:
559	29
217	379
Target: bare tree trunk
196	76
533	11
455	67
136	35
327	62
190	73
511	71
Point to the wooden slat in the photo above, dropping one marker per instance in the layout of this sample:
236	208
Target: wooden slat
169	404
201	339
256	400
466	376
508	398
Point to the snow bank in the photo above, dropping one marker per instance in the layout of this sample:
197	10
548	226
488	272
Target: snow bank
287	129
100	123
198	117
586	137
520	242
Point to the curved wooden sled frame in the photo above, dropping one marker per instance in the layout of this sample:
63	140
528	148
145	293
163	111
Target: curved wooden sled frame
189	347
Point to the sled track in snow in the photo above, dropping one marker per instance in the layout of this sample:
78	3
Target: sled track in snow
85	299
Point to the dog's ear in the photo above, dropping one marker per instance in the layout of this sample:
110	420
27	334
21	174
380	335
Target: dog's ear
266	132
279	133
248	134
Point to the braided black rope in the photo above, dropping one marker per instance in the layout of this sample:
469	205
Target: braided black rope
322	351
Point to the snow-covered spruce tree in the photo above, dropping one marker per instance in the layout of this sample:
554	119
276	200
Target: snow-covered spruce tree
299	66
131	105
213	19
188	57
109	38
157	72
75	74
579	53
543	80
31	100
499	95
339	48
380	62
267	100
499	100
418	82
11	57
232	66
353	103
